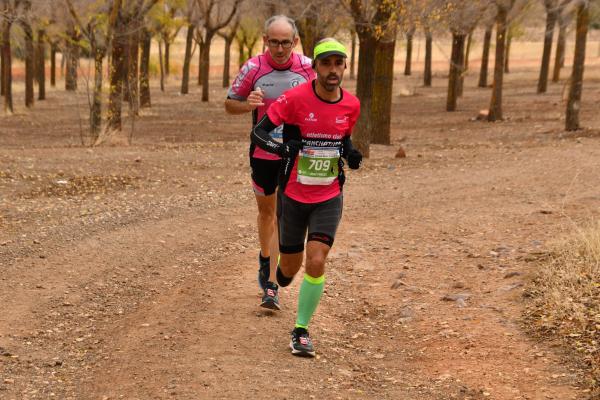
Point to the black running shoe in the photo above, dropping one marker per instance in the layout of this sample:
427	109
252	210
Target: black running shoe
271	299
264	270
301	344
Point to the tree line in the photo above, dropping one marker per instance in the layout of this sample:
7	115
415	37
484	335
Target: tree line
120	32
380	23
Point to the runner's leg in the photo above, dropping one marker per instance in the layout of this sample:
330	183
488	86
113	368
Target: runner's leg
322	227
274	250
264	180
323	223
270	297
313	283
311	291
292	221
266	222
290	264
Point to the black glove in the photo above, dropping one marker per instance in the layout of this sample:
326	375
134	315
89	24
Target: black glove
291	148
354	159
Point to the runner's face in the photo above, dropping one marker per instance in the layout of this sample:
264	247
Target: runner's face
279	36
330	72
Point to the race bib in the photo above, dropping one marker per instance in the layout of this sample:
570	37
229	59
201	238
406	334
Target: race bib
318	165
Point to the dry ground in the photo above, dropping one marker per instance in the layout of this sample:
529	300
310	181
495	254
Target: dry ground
129	271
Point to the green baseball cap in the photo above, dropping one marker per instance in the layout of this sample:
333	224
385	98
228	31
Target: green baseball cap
328	48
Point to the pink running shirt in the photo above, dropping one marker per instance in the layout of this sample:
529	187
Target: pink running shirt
274	79
322	124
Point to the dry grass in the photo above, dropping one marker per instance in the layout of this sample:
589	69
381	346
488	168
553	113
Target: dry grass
566	297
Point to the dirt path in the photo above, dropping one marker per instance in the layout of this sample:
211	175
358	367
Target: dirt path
135	277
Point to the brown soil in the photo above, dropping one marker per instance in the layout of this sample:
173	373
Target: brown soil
130	271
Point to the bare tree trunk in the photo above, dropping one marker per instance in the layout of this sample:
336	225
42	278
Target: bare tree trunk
200	65
366	74
205	65
464	62
229	38
2	63
409	48
545	68
561	45
1	67
7	76
161	66
241	55
96	111
132	92
353	54
509	38
227	61
456	67
72	61
381	104
483	72
427	76
63	60
307	29
126	65
185	77
70	70
167	58
495	111
117	75
468	50
53	65
145	69
309	37
574	102
29	64
134	72
41	64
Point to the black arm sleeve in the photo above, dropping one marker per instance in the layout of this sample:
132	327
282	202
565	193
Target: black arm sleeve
347	146
260	136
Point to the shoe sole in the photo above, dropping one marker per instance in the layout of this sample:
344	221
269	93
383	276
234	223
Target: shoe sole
271	305
301	353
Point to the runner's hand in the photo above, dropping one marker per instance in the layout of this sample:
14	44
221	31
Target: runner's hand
354	159
291	148
255	99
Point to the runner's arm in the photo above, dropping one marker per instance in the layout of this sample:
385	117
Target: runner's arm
353	156
237	107
346	146
242	106
260	137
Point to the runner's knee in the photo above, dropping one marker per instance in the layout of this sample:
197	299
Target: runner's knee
266	215
315	264
290	264
266	212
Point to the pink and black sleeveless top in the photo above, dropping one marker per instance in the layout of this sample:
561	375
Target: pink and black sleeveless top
274	79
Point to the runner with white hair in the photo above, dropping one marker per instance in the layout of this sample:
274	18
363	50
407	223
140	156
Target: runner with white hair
261	80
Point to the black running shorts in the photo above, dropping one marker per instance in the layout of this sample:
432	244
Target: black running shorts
265	175
321	220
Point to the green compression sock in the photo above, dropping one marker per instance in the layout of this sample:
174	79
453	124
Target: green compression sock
308	299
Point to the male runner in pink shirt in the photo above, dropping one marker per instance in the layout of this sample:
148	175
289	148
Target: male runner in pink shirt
262	79
317	119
